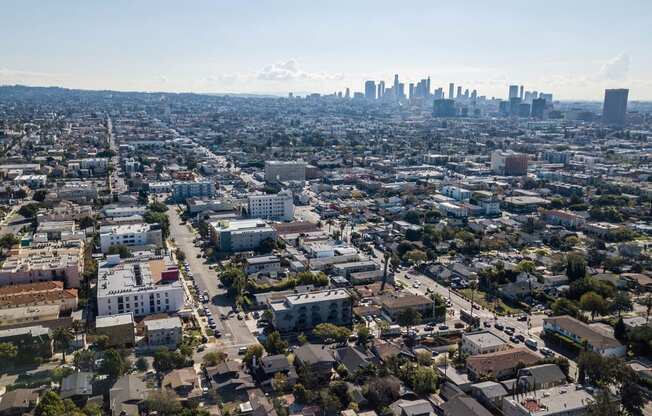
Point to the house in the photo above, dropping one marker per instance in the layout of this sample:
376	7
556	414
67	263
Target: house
351	358
580	333
463	405
412	408
396	303
539	377
184	382
270	365
315	356
18	402
262	264
77	386
35	340
127	395
500	364
489	393
229	380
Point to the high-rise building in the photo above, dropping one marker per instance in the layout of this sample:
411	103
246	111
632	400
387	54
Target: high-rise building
411	91
381	84
401	90
444	108
370	90
451	91
428	87
474	94
547	97
459	92
439	94
615	106
347	94
538	105
379	93
396	87
521	93
513	91
509	163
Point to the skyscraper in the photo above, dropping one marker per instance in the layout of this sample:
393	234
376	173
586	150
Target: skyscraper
513	91
411	90
459	92
521	93
451	91
381	85
538	105
396	87
347	94
370	90
615	106
428	87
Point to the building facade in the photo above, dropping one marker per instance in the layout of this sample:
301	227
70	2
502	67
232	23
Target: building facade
306	310
279	207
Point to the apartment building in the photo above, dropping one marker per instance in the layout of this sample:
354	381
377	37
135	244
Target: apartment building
455	192
277	170
240	235
182	190
509	163
278	207
306	310
38	294
130	235
164	332
142	286
60	260
581	333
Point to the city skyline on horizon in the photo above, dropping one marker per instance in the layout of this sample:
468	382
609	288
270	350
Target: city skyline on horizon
273	49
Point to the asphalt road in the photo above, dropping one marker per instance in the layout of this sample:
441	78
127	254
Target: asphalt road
235	333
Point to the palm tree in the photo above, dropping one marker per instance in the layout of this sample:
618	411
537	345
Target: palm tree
62	337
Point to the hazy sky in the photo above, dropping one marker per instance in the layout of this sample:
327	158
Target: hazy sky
572	48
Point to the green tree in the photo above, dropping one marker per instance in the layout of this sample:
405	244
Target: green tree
330	331
157	207
621	303
255	350
274	344
50	405
161	218
364	335
114	364
163	402
141	364
408	318
413	217
7	241
213	358
603	406
593	303
575	266
120	249
267	246
84	360
166	360
526	266
39	196
416	256
62	337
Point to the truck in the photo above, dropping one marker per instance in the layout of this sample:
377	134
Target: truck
391	331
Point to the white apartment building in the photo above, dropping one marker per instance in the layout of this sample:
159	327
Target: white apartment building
455	192
279	207
240	235
277	170
183	190
482	342
130	235
141	286
306	310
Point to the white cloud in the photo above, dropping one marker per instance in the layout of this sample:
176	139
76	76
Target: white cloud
615	69
290	71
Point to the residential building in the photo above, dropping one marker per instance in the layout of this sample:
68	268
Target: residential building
240	235
316	357
262	264
566	400
461	404
34	339
614	110
164	332
143	286
182	190
500	364
306	310
19	402
119	329
396	303
130	235
543	376
583	334
455	192
419	407
38	294
127	396
276	207
282	171
509	163
45	262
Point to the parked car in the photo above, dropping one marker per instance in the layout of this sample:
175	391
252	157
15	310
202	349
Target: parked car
546	351
499	326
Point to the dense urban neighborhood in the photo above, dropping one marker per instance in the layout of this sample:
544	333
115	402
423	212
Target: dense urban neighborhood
403	251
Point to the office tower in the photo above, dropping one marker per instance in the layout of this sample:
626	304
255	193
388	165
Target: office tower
513	91
439	94
339	94
466	93
538	105
411	90
347	94
514	105
547	97
615	106
381	84
459	92
401	90
396	87
428	87
524	110
503	108
474	94
451	91
370	90
535	94
521	93
290	95
444	108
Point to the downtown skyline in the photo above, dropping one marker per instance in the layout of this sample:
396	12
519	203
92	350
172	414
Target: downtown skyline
266	48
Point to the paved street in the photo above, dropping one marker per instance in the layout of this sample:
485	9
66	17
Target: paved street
235	333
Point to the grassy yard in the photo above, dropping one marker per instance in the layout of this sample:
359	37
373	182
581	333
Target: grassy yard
498	306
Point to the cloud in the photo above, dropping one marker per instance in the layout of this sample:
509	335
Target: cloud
290	71
18	76
615	69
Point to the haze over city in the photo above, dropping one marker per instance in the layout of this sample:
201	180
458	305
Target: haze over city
572	49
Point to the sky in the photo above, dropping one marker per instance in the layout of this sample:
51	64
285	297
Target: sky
572	48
